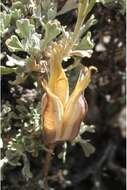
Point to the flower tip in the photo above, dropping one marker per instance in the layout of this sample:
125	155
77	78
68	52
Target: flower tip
93	70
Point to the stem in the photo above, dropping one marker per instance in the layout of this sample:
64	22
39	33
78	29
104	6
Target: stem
47	164
82	13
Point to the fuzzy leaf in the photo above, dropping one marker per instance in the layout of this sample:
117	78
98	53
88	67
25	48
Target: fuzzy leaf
86	128
6	70
24	28
86	43
5	22
90	22
87	147
52	29
5	18
32	44
49	9
17	5
68	6
14	44
16	14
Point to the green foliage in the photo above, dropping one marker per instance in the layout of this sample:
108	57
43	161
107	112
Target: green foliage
26	37
68	6
5	22
86	43
30	39
52	29
24	28
44	10
90	22
26	119
7	70
87	147
14	44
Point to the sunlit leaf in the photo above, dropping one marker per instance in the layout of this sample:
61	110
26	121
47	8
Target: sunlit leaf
86	43
89	23
14	44
87	147
24	28
7	70
68	6
4	22
52	29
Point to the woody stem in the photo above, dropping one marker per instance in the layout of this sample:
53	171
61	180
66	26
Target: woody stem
47	164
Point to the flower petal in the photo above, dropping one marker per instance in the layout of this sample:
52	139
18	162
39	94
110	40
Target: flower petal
76	106
52	113
58	82
73	116
83	81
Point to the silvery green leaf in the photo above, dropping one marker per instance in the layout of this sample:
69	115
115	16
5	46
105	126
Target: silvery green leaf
5	18
15	14
14	44
17	5
5	22
37	11
26	168
86	43
90	22
68	6
52	29
52	12
46	4
32	44
24	28
87	147
49	9
7	70
88	128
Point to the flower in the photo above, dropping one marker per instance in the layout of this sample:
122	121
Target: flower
62	114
